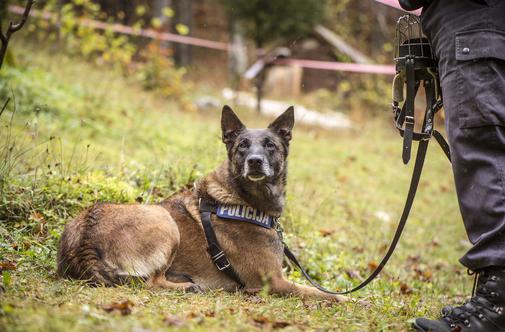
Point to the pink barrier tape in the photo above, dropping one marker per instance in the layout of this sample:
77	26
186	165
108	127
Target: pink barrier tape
339	66
150	33
395	4
124	29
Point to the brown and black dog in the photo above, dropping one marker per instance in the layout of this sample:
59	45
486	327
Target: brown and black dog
160	243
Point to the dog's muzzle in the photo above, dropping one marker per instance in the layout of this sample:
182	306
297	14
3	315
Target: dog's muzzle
256	168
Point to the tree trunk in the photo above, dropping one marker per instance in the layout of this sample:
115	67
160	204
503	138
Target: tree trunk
183	15
237	61
157	12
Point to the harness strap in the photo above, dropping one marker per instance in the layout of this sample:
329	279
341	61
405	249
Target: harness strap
207	207
409	111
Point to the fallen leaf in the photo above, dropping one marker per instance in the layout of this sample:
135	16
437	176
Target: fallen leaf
172	320
125	307
412	260
423	275
260	320
326	232
280	324
372	265
7	266
210	313
405	289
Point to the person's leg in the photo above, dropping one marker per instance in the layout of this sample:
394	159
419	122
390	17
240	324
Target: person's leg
468	38
473	86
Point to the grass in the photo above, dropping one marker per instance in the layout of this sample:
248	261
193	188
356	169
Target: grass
82	134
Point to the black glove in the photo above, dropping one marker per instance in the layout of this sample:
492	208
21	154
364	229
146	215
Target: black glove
413	4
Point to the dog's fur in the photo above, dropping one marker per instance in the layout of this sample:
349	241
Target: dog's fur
162	243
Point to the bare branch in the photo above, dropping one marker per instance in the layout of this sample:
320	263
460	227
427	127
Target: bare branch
2	36
13	27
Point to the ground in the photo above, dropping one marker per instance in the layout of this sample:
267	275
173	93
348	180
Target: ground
82	134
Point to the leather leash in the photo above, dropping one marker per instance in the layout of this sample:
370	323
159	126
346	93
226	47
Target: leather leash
416	175
404	121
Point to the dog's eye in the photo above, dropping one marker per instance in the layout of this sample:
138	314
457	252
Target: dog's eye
243	145
270	146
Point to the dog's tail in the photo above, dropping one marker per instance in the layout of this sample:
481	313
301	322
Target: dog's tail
79	257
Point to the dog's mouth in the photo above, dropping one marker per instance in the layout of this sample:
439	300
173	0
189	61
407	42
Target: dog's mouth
256	178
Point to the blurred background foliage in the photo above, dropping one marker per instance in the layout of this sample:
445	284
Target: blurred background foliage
261	25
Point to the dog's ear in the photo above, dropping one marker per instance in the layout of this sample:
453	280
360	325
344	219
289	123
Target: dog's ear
230	125
284	124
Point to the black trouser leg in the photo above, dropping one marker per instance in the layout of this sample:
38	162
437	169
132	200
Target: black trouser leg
469	39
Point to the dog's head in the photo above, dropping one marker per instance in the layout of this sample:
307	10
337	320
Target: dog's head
257	156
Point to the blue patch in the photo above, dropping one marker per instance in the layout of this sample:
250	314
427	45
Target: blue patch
244	213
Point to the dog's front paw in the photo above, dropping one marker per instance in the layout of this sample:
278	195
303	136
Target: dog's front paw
194	288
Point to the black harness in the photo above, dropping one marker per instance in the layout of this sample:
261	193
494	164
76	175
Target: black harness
208	207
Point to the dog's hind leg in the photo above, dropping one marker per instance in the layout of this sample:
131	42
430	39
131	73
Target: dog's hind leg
281	286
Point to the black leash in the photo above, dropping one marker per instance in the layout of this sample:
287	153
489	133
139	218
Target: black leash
416	175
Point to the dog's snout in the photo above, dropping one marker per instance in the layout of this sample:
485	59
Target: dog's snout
255	161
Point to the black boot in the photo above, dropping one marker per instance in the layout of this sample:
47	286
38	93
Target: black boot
484	312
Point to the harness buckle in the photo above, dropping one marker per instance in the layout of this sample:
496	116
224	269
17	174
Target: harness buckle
409	120
221	258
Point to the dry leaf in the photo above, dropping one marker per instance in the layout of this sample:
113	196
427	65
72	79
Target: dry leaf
210	313
125	307
280	324
423	275
260	320
372	265
7	266
405	289
326	232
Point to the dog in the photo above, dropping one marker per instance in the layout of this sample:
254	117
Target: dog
165	244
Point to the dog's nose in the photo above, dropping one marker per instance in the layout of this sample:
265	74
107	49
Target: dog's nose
255	161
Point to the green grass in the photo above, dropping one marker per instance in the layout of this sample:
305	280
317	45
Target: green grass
85	134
